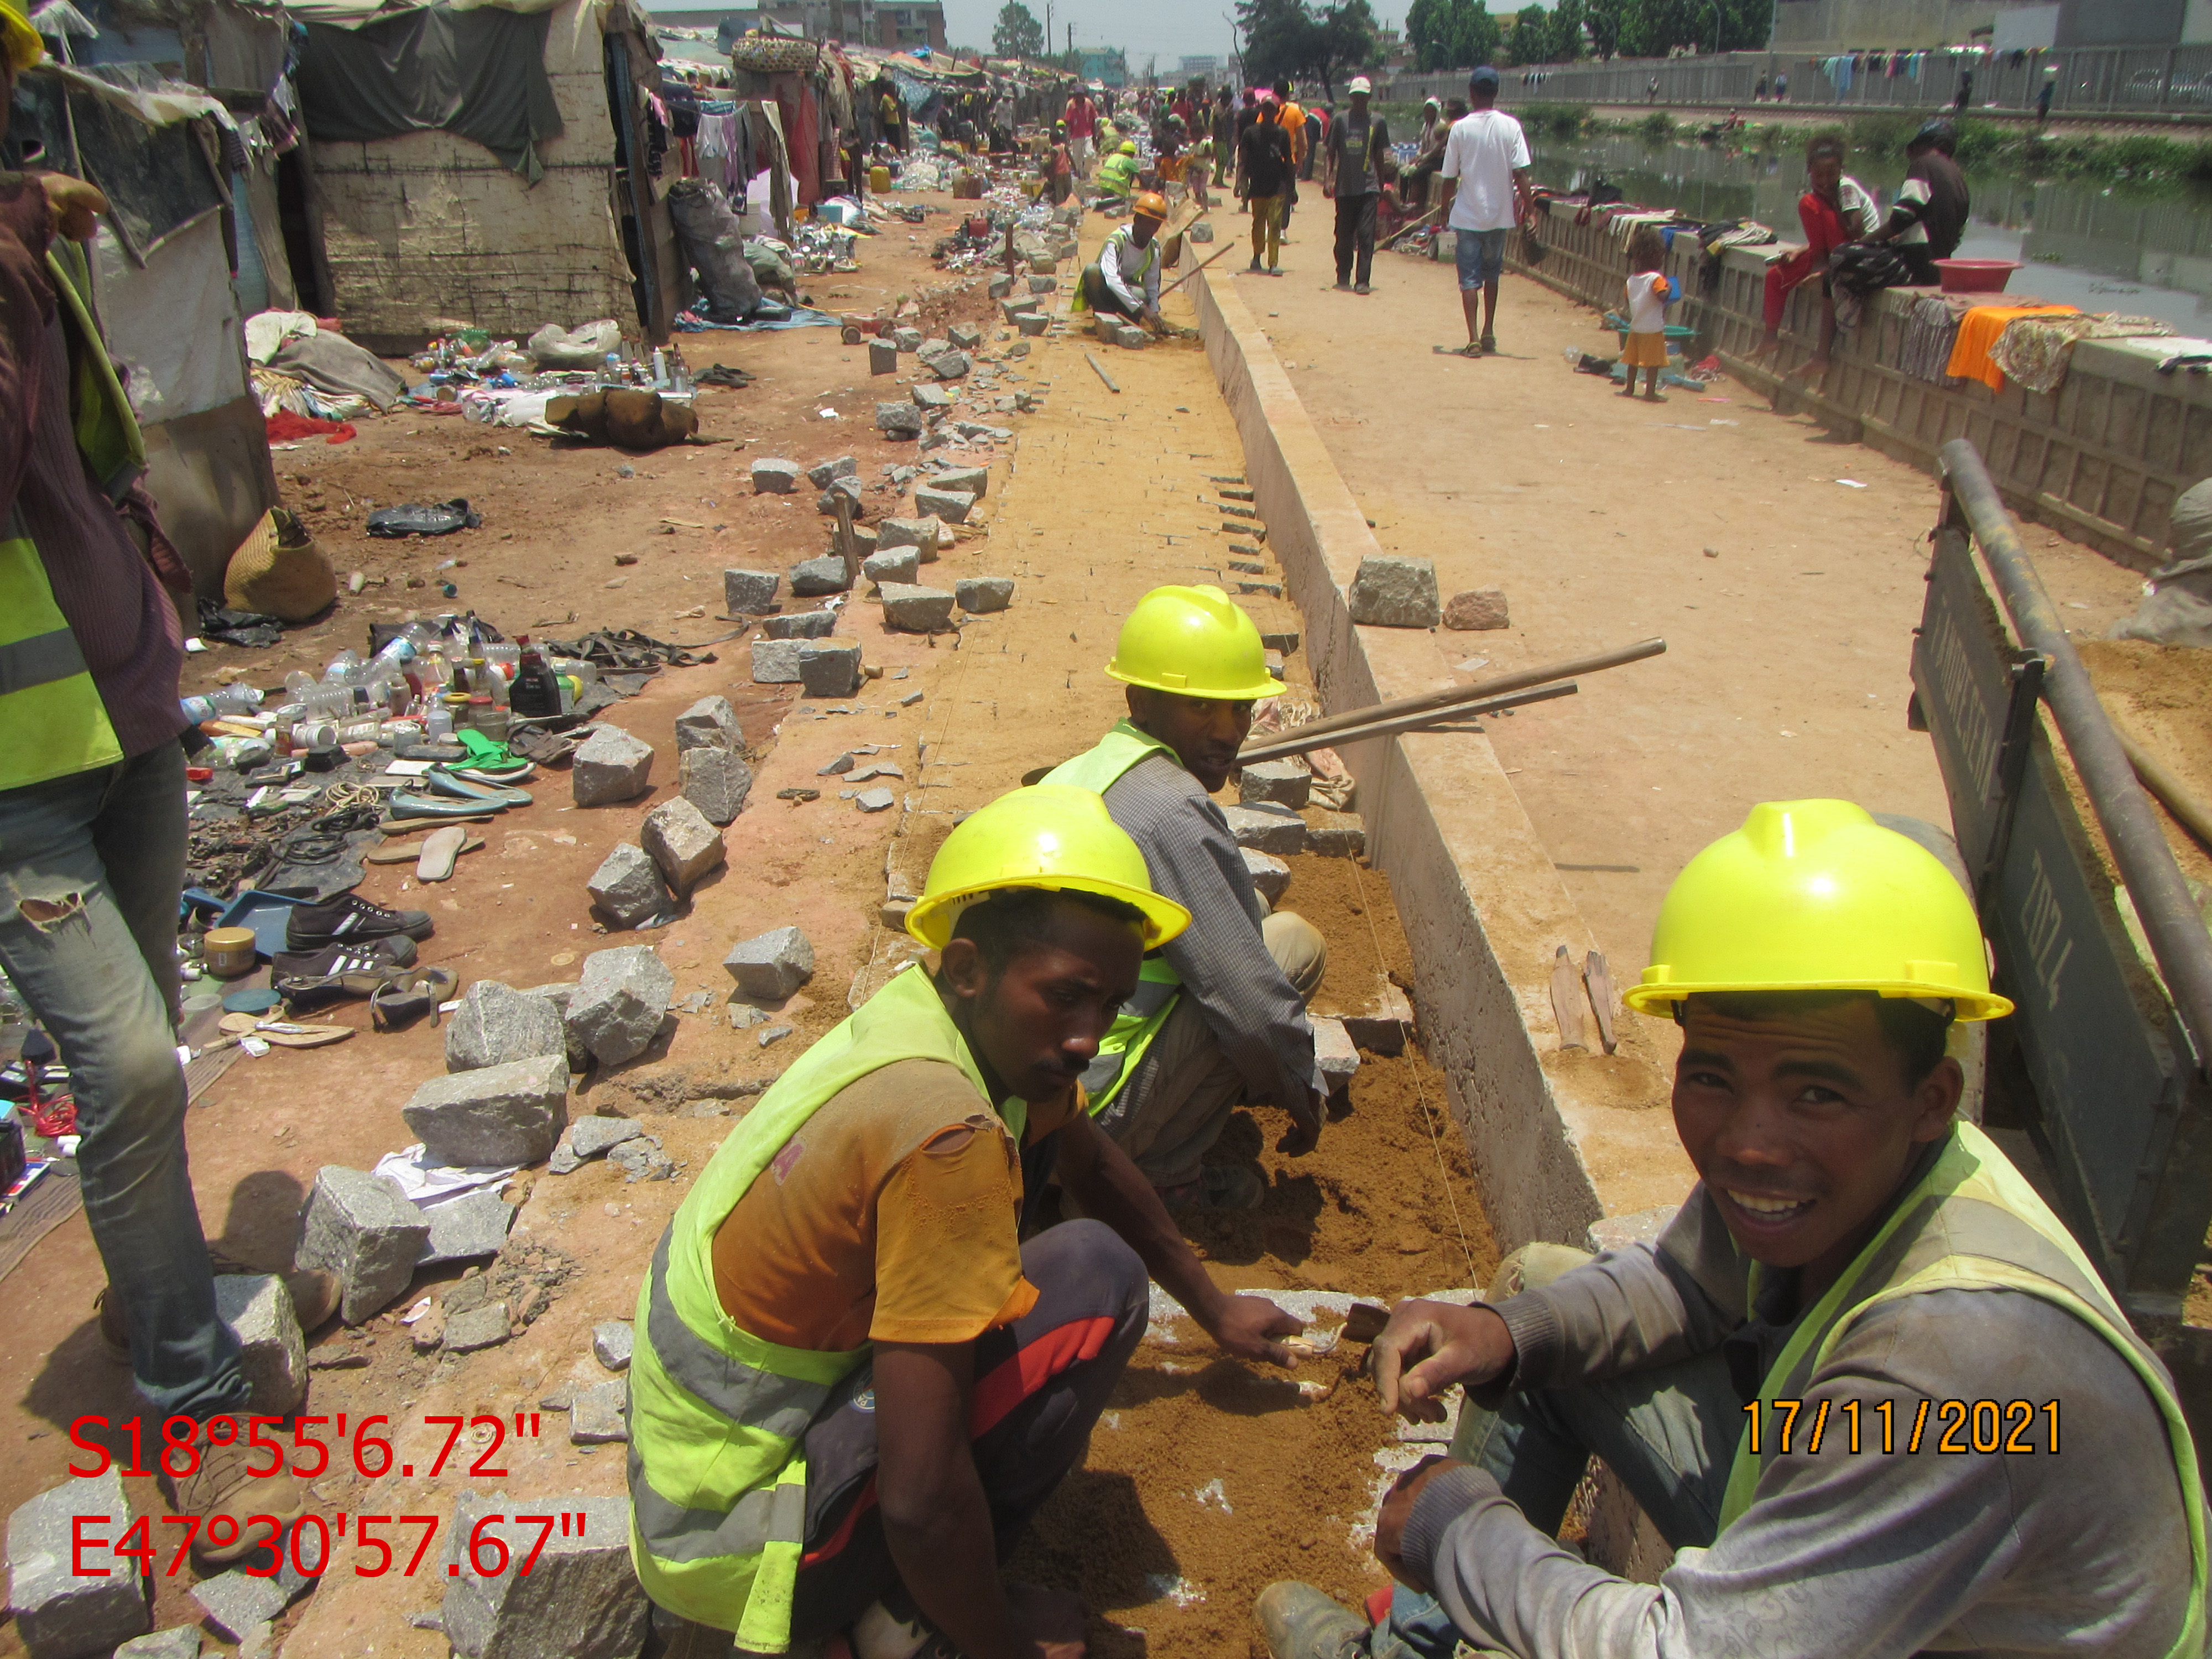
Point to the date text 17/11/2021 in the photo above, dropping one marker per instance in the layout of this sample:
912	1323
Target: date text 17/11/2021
308	1549
306	1456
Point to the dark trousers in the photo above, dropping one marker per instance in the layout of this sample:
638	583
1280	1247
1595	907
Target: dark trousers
1355	233
1919	260
1040	1385
1100	298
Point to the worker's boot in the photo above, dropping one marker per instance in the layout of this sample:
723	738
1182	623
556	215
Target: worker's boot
315	1299
1301	1622
230	1496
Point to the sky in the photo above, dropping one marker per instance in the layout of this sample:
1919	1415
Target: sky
1170	28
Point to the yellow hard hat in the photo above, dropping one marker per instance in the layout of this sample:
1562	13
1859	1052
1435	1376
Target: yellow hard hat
19	41
1149	204
1050	835
1129	147
1816	896
1195	642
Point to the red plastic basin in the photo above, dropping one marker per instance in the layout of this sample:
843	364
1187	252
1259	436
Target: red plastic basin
1976	275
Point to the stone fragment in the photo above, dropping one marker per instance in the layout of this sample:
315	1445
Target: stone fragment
610	766
1043	284
1032	324
964	336
1021	349
847	489
235	1601
1335	835
982	595
598	1415
709	723
1269	874
830	668
895	564
1201	233
822	474
1267	830
508	1114
1392	590
1478	608
949	365
1335	1052
59	1613
883	357
679	839
1275	783
627	886
594	1137
931	349
496	1023
999	287
467	1228
924	535
1020	306
559	996
612	1339
1285	641
926	396
619	1002
1129	334
361	1230
272	1351
776	478
581	1599
812	578
484	1326
177	1642
1381	1027
801	625
775	662
900	419
875	800
749	592
642	1159
770	966
716	781
967	480
907	339
952	506
914	609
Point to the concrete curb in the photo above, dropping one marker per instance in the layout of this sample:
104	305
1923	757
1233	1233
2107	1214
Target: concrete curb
1559	1139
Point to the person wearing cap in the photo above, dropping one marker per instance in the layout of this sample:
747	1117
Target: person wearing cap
854	1383
1125	280
1929	215
1117	175
1220	1018
1864	1383
1487	155
1351	172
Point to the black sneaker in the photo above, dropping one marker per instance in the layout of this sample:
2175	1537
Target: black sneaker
313	979
350	919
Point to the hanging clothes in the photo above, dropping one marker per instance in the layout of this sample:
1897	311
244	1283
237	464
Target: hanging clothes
1980	330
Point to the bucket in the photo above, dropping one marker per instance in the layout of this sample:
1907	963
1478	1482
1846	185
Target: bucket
228	952
1976	275
879	179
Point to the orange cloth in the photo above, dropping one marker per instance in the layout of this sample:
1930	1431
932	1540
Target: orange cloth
1979	330
889	1217
1292	118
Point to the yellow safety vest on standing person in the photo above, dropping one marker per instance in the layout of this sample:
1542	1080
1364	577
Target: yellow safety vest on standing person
1973	1222
50	711
1159	984
717	1468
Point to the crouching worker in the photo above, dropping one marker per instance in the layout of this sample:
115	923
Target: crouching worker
853	1383
1219	1019
1866	1384
1126	281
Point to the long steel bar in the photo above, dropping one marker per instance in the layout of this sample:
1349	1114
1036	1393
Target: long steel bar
1305	740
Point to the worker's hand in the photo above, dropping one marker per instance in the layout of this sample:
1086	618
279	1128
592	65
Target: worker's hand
1304	1132
1429	1346
1397	1513
72	205
1242	1325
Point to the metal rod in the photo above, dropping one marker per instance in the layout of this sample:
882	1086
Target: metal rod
1101	369
1229	247
2170	920
1305	740
1496	685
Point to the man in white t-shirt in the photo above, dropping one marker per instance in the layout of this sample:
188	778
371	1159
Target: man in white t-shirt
1487	155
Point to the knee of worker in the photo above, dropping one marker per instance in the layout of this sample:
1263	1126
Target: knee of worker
1533	1267
1298	950
1083	1269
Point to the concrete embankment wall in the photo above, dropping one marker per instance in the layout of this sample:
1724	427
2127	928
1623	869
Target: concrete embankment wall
2100	460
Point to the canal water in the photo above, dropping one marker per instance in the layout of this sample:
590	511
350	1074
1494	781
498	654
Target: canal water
2099	247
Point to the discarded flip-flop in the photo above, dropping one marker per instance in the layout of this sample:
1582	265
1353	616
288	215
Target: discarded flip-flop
441	849
445	783
406	804
496	778
408	998
283	1033
400	853
486	754
1470	350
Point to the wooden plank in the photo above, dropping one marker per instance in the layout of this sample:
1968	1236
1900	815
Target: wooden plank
1567	1000
1598	980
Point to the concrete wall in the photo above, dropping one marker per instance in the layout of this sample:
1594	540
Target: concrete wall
2100	460
1827	26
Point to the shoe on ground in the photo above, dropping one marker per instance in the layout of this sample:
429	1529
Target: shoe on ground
1300	1622
307	980
223	1482
1363	288
1256	262
350	919
1219	1187
1343	287
1490	345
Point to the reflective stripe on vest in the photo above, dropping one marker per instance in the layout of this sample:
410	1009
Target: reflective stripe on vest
50	711
718	1416
1159	984
1973	1222
1081	300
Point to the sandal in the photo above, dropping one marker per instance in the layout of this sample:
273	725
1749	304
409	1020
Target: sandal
406	804
283	1033
1470	350
316	979
443	782
441	849
400	1002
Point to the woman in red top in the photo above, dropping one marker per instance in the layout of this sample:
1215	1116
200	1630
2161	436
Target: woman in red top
1834	211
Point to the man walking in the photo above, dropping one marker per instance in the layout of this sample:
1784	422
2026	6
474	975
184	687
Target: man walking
1487	155
1293	118
1263	174
1082	128
1352	173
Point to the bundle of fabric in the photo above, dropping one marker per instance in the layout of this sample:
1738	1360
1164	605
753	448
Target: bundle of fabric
1981	328
1931	330
2036	350
2178	609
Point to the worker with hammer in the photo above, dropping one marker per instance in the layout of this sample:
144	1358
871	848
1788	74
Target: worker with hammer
1218	1018
1125	281
1865	1383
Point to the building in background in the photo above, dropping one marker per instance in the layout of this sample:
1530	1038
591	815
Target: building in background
1108	66
1818	27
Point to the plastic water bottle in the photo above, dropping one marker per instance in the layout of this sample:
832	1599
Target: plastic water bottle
235	699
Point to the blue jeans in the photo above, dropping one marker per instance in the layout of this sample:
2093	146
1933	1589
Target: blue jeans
1669	1433
1481	256
90	869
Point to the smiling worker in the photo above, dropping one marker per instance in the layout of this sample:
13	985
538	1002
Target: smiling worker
853	1383
1220	1016
1837	1380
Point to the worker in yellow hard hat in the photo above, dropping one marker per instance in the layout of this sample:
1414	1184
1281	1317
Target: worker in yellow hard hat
1124	280
1117	174
1864	1379
1219	1019
855	1382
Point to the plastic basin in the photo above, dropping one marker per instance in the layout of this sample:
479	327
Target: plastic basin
1976	275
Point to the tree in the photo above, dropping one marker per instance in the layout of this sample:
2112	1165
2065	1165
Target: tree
1343	40
1452	33
1566	31
1605	18
1018	34
1530	41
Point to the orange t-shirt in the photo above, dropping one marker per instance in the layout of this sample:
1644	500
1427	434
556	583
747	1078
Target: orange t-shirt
1292	119
892	1215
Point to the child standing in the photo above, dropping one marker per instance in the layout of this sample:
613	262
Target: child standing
1647	311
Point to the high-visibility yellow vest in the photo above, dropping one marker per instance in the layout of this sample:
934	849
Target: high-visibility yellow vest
1973	1222
50	711
1081	302
1117	175
717	1464
1159	984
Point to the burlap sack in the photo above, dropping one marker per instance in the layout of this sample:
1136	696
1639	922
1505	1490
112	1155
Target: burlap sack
280	572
